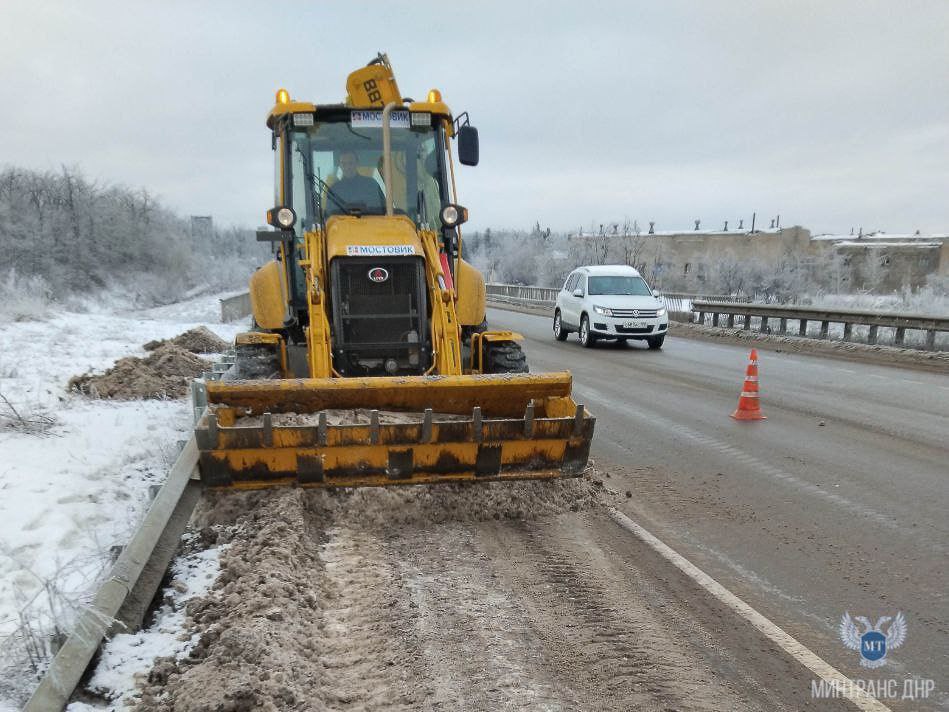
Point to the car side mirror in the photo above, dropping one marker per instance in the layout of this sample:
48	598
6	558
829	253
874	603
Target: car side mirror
578	292
468	145
655	292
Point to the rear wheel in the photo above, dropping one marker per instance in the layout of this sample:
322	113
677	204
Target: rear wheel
655	342
587	339
560	333
505	357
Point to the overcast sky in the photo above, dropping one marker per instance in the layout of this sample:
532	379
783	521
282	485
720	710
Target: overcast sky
833	114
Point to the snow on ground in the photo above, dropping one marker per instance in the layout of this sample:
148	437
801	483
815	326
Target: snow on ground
127	657
67	496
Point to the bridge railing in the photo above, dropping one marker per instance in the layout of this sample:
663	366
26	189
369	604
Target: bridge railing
679	304
768	316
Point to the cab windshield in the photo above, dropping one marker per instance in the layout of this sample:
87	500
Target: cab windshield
628	286
336	167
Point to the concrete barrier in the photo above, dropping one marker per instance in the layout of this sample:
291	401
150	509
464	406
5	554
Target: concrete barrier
236	307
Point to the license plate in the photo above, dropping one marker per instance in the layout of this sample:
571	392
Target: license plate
634	324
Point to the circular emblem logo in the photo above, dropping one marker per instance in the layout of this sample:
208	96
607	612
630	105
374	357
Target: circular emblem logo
635	312
378	274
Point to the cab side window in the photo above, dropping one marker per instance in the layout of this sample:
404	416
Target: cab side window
579	284
571	280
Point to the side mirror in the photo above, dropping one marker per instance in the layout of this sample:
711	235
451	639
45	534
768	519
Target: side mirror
655	292
578	292
468	145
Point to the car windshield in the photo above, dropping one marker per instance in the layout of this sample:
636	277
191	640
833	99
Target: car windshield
336	167
629	286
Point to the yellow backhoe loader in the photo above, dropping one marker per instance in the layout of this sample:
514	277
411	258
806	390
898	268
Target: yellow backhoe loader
370	361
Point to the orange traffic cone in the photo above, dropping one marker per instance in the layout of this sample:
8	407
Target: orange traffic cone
748	406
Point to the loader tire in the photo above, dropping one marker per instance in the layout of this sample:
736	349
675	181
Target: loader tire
254	363
505	357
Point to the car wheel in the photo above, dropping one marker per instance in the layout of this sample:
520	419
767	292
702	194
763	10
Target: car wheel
655	342
559	332
586	338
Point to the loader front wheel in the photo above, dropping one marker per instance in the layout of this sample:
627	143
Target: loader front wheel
505	357
254	362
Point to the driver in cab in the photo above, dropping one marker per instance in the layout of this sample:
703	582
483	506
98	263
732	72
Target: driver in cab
353	189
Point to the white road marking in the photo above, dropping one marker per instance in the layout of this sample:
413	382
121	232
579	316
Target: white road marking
590	395
772	631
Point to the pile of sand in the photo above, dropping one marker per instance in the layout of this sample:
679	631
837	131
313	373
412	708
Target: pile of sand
165	373
283	629
420	507
200	340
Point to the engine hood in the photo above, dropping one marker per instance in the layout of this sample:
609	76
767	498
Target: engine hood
376	236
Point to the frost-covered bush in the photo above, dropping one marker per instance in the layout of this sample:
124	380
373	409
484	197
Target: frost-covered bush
23	298
81	238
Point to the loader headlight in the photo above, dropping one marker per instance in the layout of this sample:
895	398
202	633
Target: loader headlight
286	218
603	310
453	215
281	217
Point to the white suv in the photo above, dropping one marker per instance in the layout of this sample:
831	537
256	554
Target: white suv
612	302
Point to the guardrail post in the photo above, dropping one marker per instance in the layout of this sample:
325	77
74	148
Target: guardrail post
900	333
931	340
783	329
823	329
802	327
848	331
872	334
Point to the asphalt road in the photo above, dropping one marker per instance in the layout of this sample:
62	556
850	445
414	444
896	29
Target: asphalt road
837	502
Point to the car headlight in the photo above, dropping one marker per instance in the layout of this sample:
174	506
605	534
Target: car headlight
603	310
661	311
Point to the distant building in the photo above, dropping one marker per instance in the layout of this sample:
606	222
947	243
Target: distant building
887	262
685	259
202	226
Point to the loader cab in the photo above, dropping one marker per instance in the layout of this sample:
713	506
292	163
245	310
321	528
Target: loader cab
333	165
329	170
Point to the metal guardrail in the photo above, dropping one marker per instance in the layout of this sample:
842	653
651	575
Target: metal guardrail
803	315
524	292
236	307
679	304
101	616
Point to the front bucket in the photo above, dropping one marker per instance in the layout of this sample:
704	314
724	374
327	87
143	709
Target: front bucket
400	430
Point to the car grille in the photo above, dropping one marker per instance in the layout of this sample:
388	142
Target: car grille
640	313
